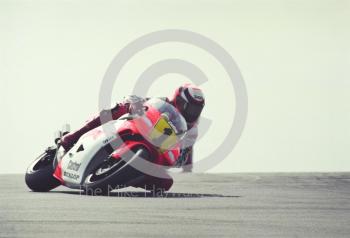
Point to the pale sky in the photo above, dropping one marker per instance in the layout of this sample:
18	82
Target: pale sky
294	57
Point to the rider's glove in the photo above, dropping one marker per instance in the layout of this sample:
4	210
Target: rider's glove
135	104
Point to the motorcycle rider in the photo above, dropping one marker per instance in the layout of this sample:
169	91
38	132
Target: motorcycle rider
187	99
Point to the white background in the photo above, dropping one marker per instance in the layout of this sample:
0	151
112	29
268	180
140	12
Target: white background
293	55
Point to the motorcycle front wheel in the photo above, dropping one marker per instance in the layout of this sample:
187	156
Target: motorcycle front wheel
114	174
39	175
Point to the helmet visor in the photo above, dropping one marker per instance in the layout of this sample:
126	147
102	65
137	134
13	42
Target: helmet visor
192	111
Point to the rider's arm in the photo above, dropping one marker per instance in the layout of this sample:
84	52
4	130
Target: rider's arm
187	166
190	137
117	111
187	148
104	116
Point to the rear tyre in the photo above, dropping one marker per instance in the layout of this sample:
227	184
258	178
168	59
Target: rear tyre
39	175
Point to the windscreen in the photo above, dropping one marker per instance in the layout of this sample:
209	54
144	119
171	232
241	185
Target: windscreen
175	119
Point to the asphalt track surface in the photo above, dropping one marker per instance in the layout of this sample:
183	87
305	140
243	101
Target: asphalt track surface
199	205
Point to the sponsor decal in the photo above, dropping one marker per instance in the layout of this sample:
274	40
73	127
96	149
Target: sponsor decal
105	141
70	175
73	166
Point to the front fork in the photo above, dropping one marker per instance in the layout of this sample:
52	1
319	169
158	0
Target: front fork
57	138
59	151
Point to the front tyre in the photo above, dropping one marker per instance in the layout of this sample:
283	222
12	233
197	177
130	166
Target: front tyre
113	174
39	175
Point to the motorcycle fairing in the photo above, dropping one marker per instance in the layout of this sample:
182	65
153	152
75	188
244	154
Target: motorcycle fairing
71	169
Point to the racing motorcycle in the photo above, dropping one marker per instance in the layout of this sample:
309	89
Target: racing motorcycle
104	159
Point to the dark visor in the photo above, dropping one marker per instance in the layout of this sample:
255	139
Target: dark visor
192	112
